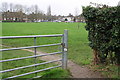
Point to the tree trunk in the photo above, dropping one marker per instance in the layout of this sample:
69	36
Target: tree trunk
96	58
117	55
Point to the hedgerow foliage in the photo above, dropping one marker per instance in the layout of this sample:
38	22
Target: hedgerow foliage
103	25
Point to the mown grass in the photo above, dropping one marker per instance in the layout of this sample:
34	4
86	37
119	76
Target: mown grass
78	45
26	62
79	51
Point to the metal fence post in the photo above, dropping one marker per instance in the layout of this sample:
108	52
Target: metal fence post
35	60
65	49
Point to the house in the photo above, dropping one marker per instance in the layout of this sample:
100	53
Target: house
68	18
13	16
80	18
71	18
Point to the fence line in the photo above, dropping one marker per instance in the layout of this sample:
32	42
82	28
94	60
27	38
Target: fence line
64	44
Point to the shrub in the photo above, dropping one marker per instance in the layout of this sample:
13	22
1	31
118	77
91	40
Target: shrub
103	26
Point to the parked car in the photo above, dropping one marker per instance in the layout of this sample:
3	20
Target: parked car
44	21
56	21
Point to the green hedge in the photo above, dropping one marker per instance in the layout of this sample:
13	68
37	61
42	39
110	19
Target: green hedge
103	25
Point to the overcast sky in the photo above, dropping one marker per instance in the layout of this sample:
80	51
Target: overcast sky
61	7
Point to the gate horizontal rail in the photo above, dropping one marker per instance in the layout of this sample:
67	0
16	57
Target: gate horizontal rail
63	51
33	72
30	66
31	47
32	36
30	57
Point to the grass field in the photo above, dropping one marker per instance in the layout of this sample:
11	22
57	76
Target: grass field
26	62
77	44
79	50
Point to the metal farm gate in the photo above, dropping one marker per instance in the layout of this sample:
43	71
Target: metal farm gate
64	44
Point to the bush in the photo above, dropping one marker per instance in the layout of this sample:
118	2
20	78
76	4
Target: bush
103	25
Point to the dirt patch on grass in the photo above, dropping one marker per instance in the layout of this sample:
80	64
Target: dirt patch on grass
76	70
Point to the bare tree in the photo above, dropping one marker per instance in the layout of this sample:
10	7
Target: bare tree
18	8
76	11
41	15
97	5
36	9
49	17
17	12
4	7
37	14
32	9
49	11
27	10
11	7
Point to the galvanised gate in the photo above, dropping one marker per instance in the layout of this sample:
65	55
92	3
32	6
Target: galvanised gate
63	44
